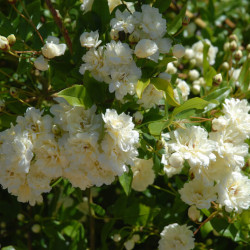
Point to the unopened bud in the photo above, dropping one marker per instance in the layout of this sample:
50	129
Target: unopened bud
185	21
136	238
36	228
129	244
2	105
56	129
4	43
193	213
225	66
134	37
37	217
12	39
20	217
233	37
238	55
138	117
248	47
193	62
233	46
178	50
217	79
226	46
117	237
3	225
114	34
13	91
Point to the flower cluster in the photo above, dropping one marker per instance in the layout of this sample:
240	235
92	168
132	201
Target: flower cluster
84	147
217	159
115	62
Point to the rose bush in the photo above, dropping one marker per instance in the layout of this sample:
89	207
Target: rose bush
124	124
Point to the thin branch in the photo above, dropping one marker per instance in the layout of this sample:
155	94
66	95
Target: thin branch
60	25
29	21
91	221
205	221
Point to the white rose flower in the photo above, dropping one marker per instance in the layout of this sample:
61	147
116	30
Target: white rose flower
234	192
176	237
123	21
41	63
52	48
178	50
90	39
189	53
193	145
124	79
145	48
164	45
198	192
117	53
143	174
176	160
184	88
152	22
150	97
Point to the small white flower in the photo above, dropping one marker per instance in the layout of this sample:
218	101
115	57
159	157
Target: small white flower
143	174
198	192
193	145
41	63
90	39
176	237
178	50
145	48
138	117
234	192
52	48
176	160
123	21
164	45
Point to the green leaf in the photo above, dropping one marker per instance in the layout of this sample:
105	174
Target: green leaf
23	66
177	22
155	128
8	248
98	209
216	98
76	96
206	229
244	78
162	5
166	86
209	71
140	87
126	181
194	103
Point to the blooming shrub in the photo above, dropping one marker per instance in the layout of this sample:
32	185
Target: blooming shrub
124	125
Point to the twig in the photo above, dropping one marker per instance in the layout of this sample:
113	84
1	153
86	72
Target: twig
205	221
29	21
91	221
60	25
